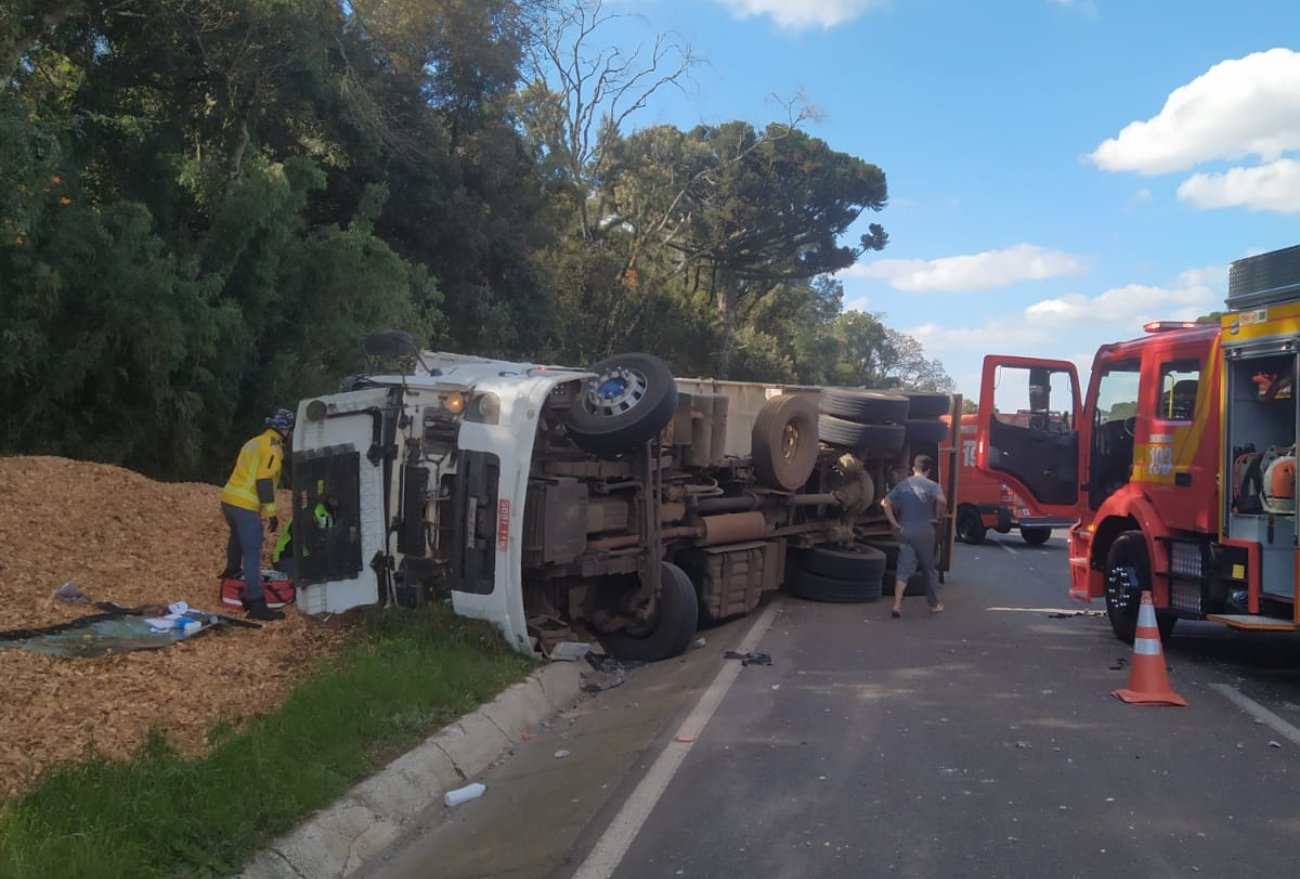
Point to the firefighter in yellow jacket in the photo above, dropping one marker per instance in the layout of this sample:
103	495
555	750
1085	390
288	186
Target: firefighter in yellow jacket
247	499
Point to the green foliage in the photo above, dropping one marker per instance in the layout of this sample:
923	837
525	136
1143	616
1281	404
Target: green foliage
160	814
205	206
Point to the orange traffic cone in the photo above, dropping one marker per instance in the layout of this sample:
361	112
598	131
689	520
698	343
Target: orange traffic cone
1148	681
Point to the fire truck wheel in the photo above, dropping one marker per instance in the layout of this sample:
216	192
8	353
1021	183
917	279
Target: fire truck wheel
1128	572
815	587
861	437
673	627
970	527
927	404
784	441
855	562
631	399
1035	535
922	432
864	406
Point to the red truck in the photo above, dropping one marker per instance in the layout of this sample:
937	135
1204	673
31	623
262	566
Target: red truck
986	502
1179	462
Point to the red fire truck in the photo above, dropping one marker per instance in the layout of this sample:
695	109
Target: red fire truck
1179	463
987	503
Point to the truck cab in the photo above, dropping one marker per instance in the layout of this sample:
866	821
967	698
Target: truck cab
1178	463
986	503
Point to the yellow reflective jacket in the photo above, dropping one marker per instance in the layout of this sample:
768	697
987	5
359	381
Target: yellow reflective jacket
257	474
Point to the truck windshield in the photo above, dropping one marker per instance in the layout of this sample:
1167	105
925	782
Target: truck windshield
1114	425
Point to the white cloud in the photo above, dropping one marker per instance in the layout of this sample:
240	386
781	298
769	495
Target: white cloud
800	14
994	335
1085	6
1271	187
1240	107
1193	293
1143	194
981	271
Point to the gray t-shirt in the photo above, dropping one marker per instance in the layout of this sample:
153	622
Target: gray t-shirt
913	502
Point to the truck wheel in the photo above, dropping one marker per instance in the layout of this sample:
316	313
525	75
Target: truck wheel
1128	573
856	562
864	406
672	629
816	587
970	527
631	399
861	437
927	404
784	441
1035	535
922	432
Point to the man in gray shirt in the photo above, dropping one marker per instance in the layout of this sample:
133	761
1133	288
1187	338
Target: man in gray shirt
912	507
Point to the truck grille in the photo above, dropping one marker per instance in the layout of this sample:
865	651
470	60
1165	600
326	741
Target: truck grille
1185	559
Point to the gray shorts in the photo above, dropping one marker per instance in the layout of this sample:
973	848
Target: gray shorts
917	554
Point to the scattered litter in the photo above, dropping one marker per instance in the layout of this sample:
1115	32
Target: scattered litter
700	642
599	681
525	736
464	794
1274	744
1022	744
776	686
569	651
70	593
560	755
1119	663
601	662
686	738
749	658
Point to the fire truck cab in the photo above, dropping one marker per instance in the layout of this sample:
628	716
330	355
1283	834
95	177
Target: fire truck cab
1179	462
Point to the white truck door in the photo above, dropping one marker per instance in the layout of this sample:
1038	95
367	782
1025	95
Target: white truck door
339	500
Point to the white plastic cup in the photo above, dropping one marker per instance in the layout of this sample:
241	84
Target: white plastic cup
464	794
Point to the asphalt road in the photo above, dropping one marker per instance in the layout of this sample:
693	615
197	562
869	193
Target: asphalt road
981	742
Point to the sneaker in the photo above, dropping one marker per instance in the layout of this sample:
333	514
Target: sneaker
257	610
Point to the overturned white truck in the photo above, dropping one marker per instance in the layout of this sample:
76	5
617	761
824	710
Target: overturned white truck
614	502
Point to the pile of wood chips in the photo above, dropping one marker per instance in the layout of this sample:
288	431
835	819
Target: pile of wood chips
121	537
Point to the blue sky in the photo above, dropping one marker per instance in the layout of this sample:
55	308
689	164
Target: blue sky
1059	170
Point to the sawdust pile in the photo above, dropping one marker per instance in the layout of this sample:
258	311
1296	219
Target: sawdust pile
121	537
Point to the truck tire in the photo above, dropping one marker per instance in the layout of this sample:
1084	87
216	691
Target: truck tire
864	406
631	399
855	562
1035	535
784	441
923	432
674	626
861	437
1128	574
927	404
970	527
816	587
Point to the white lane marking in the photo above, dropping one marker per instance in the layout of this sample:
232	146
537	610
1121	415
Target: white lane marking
609	850
1068	611
1253	708
1008	548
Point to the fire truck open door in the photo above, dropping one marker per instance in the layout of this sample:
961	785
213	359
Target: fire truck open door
1029	429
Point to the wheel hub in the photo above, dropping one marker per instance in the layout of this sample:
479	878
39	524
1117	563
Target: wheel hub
615	391
1122	587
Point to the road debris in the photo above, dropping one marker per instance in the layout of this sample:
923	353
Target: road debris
749	658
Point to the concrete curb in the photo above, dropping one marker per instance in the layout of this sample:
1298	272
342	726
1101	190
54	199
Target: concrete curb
337	840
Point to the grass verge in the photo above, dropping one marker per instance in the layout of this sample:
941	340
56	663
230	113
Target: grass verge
160	815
